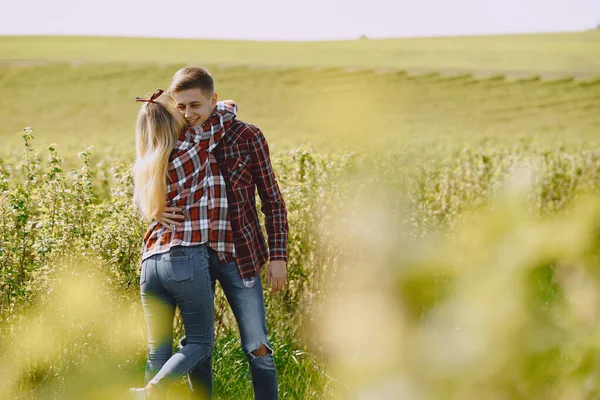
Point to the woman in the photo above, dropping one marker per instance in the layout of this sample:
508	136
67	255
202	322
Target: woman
177	164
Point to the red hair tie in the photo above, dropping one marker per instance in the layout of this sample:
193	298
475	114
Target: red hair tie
155	96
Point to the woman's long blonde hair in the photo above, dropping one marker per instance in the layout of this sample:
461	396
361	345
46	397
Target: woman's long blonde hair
159	124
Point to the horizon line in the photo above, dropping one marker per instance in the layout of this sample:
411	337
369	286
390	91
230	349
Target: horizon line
361	37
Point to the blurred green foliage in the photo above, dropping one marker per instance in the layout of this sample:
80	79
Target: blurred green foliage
474	258
444	225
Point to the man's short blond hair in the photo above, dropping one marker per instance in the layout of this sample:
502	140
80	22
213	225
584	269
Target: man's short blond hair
192	78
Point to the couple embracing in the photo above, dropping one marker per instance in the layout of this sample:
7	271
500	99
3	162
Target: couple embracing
196	173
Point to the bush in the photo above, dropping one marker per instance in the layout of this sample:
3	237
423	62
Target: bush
408	275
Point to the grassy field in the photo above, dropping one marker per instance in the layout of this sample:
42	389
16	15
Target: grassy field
331	108
74	88
442	196
562	53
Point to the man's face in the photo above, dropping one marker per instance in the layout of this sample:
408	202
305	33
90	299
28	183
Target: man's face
195	106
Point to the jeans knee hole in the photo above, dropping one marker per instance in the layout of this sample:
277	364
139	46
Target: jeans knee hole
267	352
249	283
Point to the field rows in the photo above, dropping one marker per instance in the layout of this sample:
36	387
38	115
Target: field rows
328	108
448	219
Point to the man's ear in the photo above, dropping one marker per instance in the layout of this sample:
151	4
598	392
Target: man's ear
213	100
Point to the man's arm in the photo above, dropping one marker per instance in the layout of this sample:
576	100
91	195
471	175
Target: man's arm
273	206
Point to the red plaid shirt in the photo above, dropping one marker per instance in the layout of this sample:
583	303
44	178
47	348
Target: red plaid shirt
196	185
246	166
242	155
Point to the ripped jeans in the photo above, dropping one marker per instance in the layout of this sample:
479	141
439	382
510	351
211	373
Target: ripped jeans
246	301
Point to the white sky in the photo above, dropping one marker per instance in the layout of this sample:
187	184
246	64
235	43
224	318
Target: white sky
294	20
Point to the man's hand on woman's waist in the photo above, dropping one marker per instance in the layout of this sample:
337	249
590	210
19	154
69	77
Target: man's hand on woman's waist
170	217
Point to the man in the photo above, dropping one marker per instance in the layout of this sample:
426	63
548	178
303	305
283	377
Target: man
243	159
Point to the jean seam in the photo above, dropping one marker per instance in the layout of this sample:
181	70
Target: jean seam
143	269
212	295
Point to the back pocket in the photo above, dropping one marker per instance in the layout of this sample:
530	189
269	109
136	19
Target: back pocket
178	268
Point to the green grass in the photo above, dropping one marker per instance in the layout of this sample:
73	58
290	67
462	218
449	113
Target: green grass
75	90
467	273
361	270
93	104
566	52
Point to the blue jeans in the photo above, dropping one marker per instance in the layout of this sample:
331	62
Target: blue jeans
245	298
179	277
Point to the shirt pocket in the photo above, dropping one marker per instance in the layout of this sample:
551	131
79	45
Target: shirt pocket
239	168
